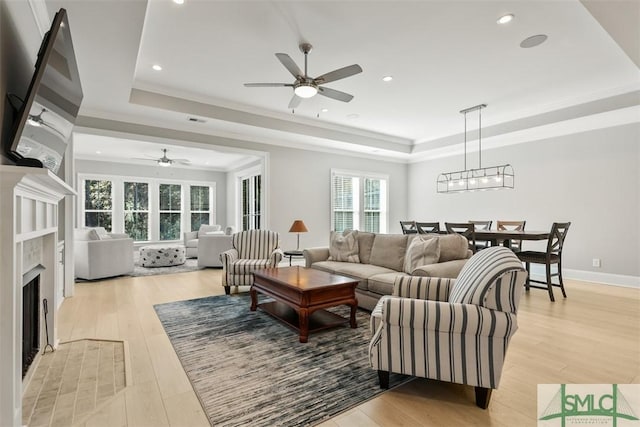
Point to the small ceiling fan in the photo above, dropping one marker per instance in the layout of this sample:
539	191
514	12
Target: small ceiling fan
166	161
305	86
38	121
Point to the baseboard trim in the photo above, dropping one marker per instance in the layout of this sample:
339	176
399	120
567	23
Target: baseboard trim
537	272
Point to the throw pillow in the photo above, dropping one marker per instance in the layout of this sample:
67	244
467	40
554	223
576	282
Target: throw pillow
453	246
93	234
344	246
421	252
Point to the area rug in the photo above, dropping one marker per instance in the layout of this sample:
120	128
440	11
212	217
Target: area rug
248	368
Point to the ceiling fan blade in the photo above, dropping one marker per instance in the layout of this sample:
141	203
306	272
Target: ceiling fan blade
268	84
295	101
182	161
335	94
341	73
140	158
290	65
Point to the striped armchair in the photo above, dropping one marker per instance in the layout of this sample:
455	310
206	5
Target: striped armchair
454	330
252	250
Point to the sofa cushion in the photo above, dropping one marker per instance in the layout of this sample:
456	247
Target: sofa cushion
193	243
344	246
363	271
383	283
421	252
486	280
388	251
447	269
453	246
365	242
85	234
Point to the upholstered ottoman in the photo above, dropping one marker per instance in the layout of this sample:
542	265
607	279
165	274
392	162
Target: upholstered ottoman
162	255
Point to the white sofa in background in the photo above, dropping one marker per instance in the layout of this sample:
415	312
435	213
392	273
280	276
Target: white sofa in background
191	238
210	247
98	254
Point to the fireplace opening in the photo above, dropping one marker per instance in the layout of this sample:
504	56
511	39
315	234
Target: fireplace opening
30	317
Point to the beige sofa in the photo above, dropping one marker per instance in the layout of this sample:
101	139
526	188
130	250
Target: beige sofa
381	260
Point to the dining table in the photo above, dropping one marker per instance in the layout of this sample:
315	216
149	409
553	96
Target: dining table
505	236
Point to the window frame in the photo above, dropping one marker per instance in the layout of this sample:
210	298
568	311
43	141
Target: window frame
359	217
83	217
133	211
117	185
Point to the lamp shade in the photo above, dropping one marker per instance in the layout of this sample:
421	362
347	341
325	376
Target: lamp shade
298	227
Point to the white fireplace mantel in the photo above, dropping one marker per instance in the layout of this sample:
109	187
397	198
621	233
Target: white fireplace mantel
29	200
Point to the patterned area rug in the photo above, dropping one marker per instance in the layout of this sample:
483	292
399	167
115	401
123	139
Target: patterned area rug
248	368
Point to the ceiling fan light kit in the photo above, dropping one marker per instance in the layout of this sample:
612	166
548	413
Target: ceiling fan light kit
308	87
479	179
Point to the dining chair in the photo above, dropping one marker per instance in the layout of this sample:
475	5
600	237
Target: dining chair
408	227
428	227
515	245
465	229
482	225
553	255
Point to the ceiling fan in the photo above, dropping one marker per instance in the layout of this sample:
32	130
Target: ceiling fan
166	161
37	121
305	86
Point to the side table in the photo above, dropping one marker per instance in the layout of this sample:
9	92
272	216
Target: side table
293	254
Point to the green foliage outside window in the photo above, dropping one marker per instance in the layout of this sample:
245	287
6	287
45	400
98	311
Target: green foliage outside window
136	205
170	209
98	203
200	206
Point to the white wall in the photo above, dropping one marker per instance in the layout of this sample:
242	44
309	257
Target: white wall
590	179
300	188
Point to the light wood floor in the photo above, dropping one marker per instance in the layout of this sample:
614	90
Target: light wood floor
591	337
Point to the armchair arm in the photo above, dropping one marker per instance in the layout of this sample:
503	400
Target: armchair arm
228	257
312	255
275	257
450	318
424	288
116	236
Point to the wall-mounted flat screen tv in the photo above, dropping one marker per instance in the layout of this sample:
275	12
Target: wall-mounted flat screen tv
44	121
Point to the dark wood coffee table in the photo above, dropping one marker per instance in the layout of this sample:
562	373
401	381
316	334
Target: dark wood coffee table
301	296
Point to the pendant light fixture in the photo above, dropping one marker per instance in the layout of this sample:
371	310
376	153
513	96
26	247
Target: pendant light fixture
478	179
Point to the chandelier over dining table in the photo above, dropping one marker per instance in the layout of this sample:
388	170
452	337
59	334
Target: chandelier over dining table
480	178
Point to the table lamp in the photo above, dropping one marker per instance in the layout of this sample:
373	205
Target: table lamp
298	227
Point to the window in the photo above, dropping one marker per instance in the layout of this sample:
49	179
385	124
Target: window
170	211
251	199
136	210
98	204
358	201
200	206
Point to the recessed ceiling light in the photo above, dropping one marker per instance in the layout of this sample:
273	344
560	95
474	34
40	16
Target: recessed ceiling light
353	116
387	78
533	41
504	19
324	110
157	67
178	1
98	152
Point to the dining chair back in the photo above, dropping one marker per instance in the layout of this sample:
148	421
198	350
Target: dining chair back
465	229
553	255
482	225
516	245
408	227
428	227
